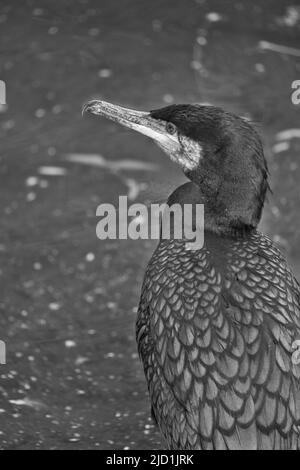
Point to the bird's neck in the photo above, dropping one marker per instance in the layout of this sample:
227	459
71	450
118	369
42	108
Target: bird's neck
227	212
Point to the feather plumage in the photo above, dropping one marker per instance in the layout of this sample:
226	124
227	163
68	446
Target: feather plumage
227	378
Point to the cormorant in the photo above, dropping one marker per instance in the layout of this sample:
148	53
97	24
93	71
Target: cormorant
218	328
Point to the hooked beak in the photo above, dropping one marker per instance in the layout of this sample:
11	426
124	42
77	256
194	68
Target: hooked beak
139	121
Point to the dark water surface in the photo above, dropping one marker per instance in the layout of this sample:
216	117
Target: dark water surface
68	301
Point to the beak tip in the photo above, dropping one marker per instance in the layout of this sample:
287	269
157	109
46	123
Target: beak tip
90	107
85	108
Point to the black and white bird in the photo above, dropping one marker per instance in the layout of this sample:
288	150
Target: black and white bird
218	328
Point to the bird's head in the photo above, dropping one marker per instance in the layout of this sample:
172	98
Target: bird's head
219	152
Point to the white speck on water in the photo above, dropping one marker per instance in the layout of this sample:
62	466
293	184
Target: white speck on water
51	151
37	405
81	360
37	266
91	332
288	134
89	298
70	344
196	65
110	354
149	426
52	171
111	305
57	108
270	46
201	40
292	16
168	98
213	17
90	257
30	197
38	12
281	147
117	165
40	113
105	73
260	68
32	181
54	306
74	439
76	426
275	211
53	30
87	159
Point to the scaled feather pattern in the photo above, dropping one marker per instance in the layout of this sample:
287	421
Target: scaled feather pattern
215	331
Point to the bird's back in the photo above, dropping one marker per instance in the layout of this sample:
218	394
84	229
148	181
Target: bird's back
218	331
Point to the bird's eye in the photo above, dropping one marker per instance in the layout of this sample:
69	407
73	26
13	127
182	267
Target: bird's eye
171	128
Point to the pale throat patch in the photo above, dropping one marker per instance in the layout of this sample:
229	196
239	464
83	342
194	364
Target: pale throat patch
191	154
182	150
